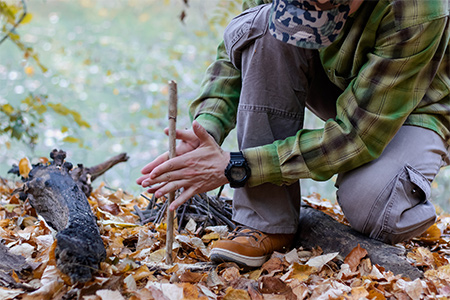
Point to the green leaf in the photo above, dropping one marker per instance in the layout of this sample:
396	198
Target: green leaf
17	132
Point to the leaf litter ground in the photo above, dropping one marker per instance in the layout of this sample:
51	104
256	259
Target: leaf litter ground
135	268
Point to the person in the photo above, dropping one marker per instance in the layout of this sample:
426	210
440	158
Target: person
376	72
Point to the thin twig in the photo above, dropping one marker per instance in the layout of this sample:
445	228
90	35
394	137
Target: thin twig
24	6
173	111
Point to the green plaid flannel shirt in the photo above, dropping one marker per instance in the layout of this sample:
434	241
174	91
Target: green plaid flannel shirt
392	61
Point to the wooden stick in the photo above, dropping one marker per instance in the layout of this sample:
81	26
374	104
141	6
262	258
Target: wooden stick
173	100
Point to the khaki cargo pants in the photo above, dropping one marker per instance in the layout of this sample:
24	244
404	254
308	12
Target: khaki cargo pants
386	199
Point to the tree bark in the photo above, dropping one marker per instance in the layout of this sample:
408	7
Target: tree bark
62	202
318	229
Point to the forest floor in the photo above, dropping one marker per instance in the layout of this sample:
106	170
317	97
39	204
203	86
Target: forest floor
135	268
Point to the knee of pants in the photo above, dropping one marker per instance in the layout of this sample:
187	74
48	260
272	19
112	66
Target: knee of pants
392	212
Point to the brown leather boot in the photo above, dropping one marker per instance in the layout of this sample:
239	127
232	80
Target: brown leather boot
249	247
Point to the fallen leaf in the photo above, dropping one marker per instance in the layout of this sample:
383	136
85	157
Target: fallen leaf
422	257
190	292
354	257
299	289
431	235
414	288
7	294
234	294
230	274
191	277
51	284
191	226
273	285
301	272
292	257
357	293
213	280
273	265
130	283
24	167
319	261
109	294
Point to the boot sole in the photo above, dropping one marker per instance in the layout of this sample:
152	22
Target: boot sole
218	255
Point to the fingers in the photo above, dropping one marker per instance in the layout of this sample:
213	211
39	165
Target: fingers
159	160
141	179
201	133
182	198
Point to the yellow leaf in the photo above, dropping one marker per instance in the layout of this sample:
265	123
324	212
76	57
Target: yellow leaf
14	37
301	272
27	18
235	294
24	167
8	145
142	272
64	129
40	109
359	292
433	234
8	109
70	139
116	92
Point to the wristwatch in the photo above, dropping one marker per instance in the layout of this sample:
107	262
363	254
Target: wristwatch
237	171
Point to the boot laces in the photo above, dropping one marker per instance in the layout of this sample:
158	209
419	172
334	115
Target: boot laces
250	232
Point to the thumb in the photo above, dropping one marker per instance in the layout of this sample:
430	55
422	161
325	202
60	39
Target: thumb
201	132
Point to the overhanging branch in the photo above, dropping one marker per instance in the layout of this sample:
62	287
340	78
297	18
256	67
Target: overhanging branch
24	7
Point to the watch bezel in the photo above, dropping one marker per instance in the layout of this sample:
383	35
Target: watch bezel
237	159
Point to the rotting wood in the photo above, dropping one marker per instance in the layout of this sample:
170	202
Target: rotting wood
318	229
85	176
62	202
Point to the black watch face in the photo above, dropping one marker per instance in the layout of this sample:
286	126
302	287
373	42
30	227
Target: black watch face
238	173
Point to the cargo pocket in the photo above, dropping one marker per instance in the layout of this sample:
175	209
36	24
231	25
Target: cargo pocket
244	30
408	212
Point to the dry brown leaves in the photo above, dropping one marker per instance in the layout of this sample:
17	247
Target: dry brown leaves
135	266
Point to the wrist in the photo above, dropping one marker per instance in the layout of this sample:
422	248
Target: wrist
237	171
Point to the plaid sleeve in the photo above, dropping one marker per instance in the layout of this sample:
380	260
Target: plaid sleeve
216	107
387	87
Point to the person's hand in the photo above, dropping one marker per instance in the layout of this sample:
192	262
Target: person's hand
189	142
198	167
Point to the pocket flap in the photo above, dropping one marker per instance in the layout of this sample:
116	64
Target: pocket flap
419	180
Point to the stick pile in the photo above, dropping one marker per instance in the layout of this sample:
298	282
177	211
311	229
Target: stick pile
205	210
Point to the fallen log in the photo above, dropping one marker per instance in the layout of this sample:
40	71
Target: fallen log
62	202
318	229
85	176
